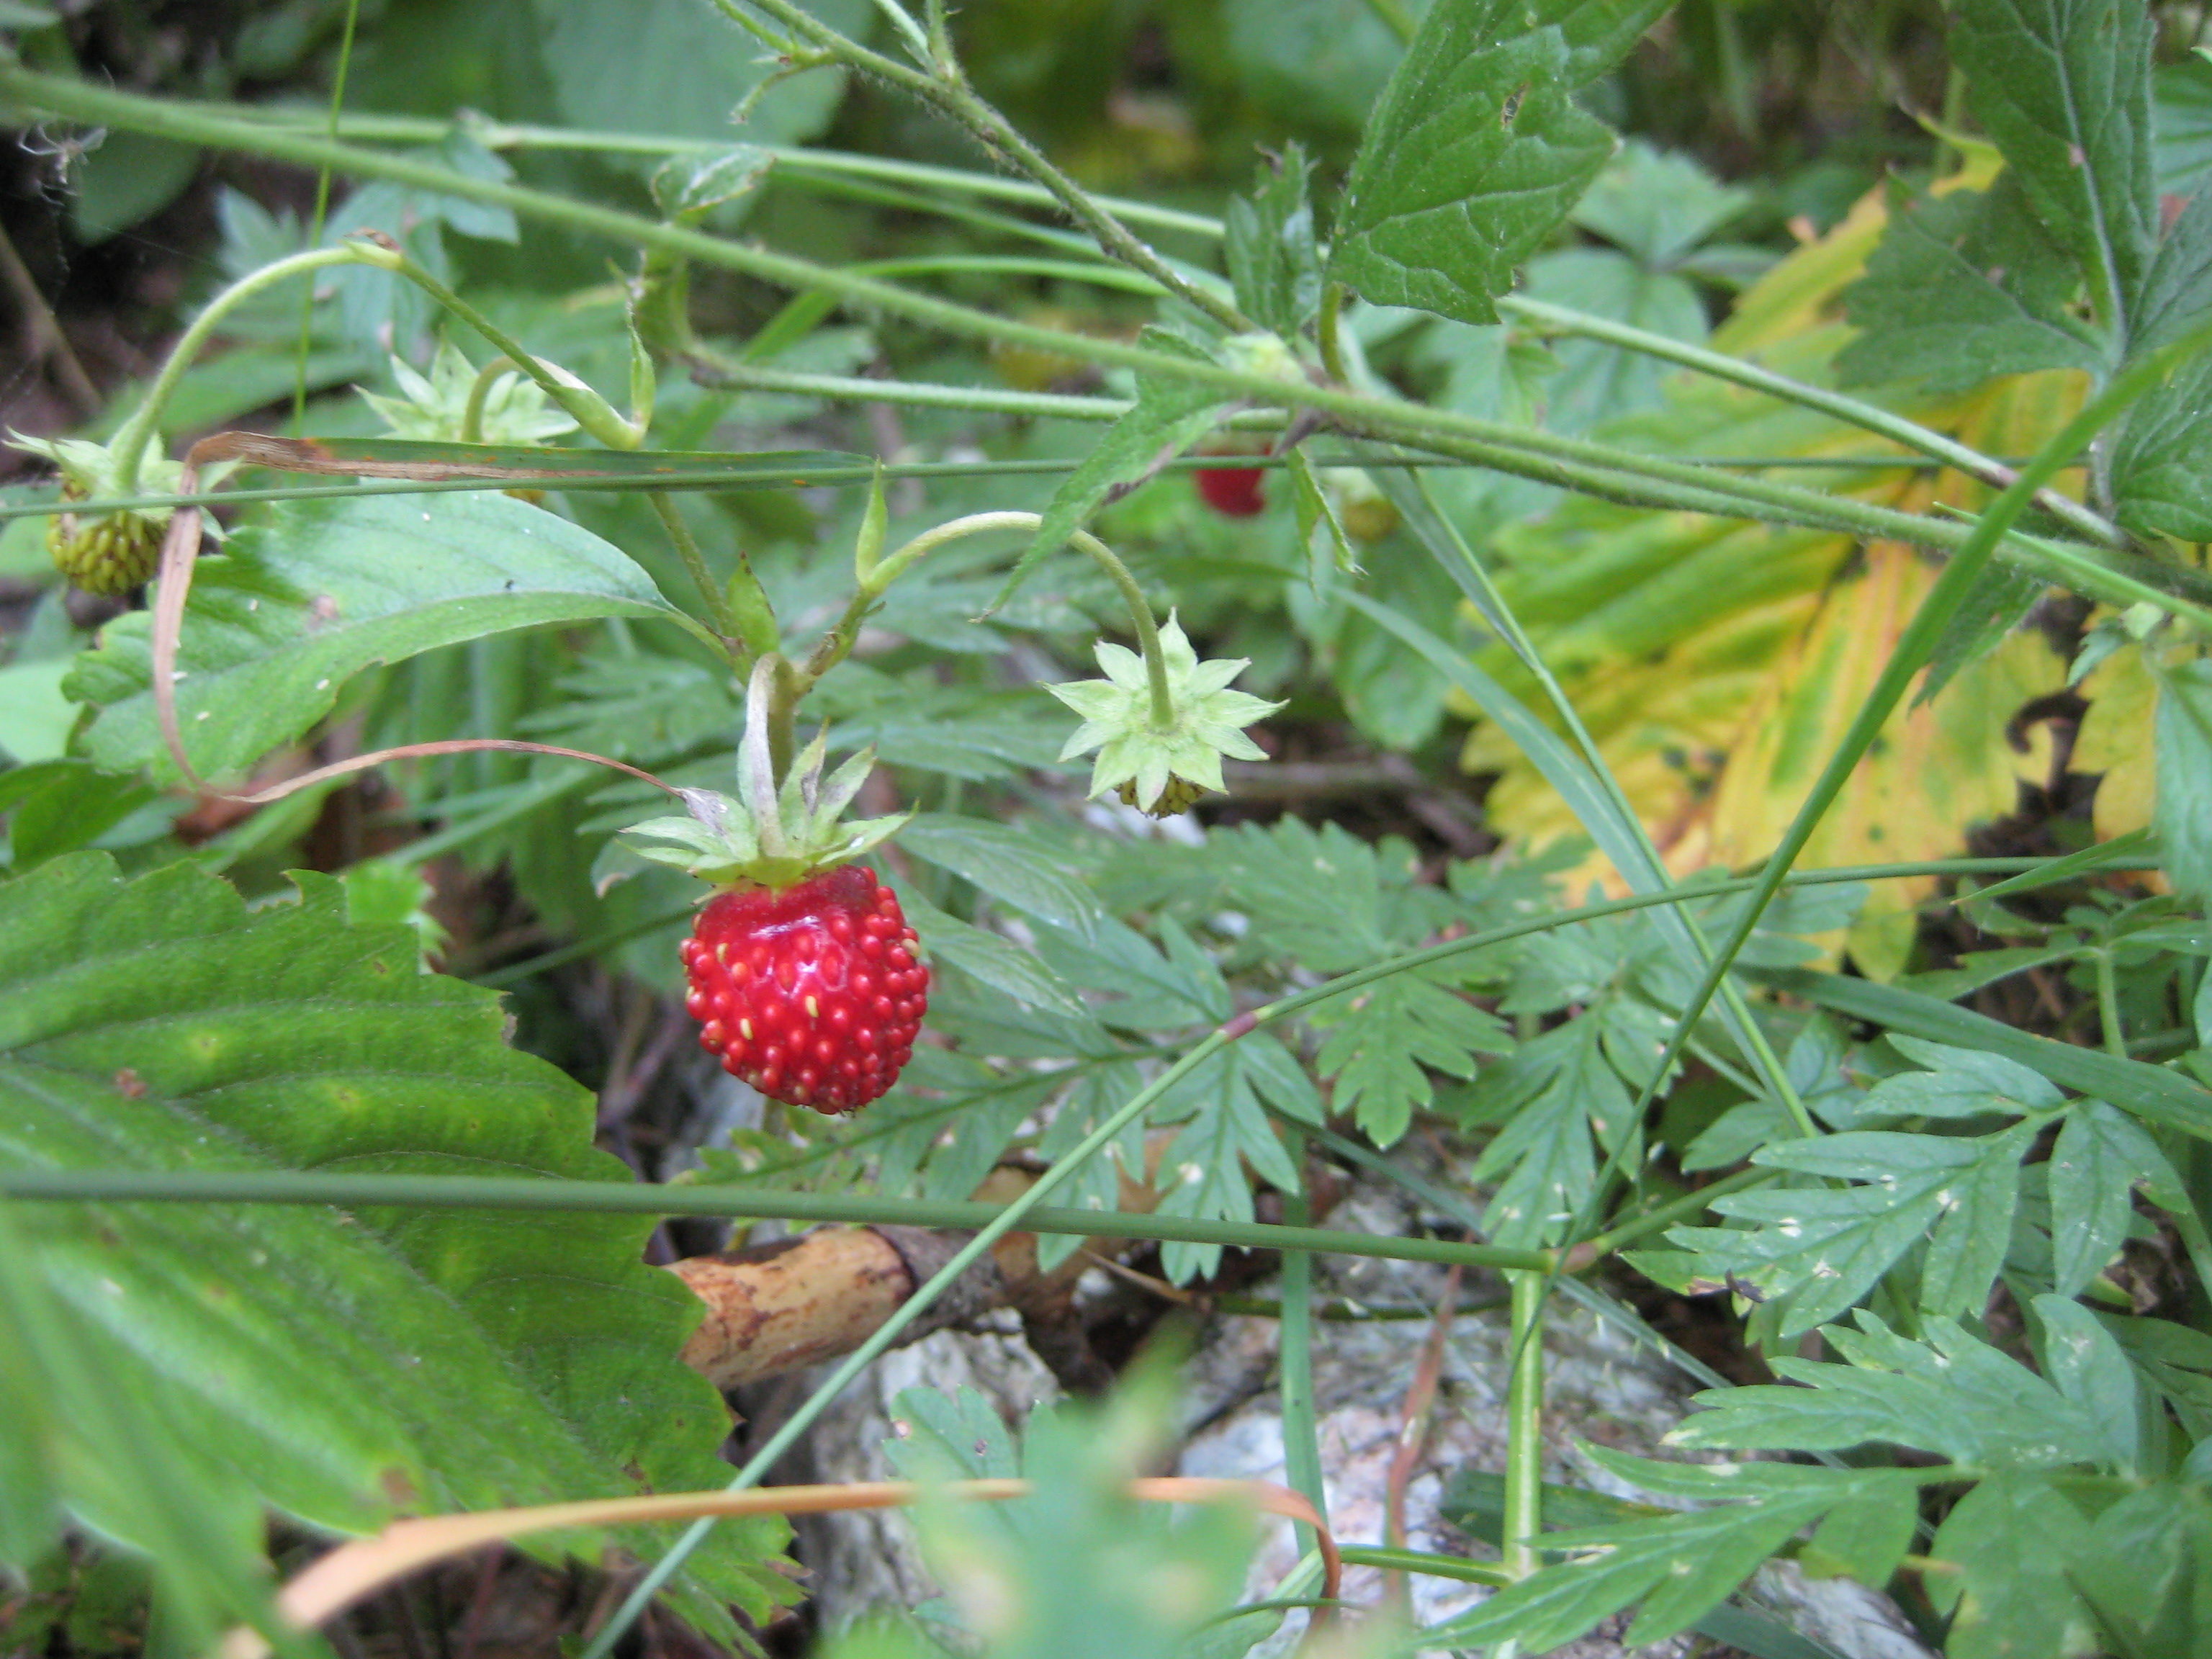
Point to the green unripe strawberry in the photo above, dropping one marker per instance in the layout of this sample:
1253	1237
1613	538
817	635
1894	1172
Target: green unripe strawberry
103	553
1180	795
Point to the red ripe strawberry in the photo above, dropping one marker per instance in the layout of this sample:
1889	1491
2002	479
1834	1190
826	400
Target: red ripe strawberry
1232	491
811	994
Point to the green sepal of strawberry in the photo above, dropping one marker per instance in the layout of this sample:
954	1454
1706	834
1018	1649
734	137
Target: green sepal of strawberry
434	407
1162	769
765	835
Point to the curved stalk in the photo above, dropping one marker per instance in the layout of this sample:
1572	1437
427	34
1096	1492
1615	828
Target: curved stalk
480	390
591	412
838	642
130	444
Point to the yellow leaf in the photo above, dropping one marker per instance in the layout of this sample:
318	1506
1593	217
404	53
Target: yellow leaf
2115	739
1935	770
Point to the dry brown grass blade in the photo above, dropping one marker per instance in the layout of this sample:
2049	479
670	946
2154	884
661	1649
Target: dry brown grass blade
354	1571
180	549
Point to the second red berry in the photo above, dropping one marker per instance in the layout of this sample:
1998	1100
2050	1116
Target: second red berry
1232	491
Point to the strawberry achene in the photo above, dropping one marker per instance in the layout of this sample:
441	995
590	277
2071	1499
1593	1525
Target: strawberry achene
812	994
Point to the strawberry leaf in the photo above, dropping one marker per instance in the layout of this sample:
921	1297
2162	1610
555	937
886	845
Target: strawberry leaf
297	606
1477	151
340	1369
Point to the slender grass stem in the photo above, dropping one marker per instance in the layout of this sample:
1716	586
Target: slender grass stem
1294	1345
710	591
1524	1431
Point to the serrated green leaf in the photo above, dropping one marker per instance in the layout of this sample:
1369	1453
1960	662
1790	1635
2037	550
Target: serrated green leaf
2175	1361
1865	1539
1381	1041
1596	381
1998	602
1006	864
998	963
1957	1074
349	1368
1819	1250
2181	123
2145	1570
2005	1549
1543	1160
1656	205
2063	86
296	607
1274	263
1151	991
668	70
1953	1394
1962	287
1203	1172
2088	1366
2159	453
1685	1565
2100	1158
1477	150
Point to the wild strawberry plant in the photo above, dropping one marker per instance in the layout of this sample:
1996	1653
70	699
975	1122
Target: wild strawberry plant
252	1264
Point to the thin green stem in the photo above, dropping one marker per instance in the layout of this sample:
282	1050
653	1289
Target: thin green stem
1294	1340
472	412
710	591
129	443
523	1196
1421	1561
2108	1004
828	163
1661	1217
321	215
1869	416
711	368
950	96
1331	330
1524	1431
839	640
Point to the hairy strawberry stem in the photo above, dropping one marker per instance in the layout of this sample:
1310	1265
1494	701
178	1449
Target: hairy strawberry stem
837	644
946	90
